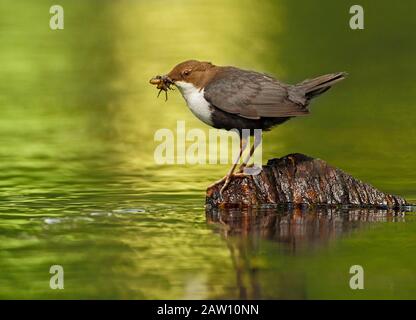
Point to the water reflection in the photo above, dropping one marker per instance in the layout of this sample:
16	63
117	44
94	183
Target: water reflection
296	231
297	227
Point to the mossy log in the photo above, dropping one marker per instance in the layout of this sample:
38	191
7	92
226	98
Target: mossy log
299	180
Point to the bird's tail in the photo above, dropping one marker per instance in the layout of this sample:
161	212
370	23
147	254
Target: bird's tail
317	86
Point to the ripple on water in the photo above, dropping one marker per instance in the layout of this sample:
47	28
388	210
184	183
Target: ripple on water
101	214
52	221
92	216
129	211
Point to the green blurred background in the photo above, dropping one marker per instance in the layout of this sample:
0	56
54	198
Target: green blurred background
79	186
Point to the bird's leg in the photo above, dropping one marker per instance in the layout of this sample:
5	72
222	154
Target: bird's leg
243	144
248	157
227	178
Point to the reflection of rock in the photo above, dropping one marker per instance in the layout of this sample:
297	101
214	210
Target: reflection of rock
300	180
299	203
297	226
294	231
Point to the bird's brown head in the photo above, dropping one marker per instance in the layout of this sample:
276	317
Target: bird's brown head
192	71
199	73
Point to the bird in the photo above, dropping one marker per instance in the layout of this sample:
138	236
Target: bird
230	98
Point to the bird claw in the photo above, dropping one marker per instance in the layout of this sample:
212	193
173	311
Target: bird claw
228	180
241	168
225	185
217	182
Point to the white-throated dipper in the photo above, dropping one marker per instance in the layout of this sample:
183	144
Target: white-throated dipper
232	98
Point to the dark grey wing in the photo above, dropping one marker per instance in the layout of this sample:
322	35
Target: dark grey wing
251	95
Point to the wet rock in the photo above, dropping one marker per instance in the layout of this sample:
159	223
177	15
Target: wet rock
299	180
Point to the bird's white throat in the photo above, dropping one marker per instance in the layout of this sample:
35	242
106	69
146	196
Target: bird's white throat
195	100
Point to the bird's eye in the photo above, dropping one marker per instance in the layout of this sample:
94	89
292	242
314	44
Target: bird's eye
186	72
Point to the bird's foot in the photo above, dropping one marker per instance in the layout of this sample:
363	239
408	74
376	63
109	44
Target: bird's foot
228	178
243	166
249	169
225	185
226	181
217	182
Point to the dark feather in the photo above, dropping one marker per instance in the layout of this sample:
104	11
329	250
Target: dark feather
251	95
314	87
254	95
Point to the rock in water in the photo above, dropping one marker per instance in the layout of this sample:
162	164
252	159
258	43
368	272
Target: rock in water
299	180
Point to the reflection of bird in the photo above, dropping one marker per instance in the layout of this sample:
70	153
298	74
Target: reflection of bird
232	98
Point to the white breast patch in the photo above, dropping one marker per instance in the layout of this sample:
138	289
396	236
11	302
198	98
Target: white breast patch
195	100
